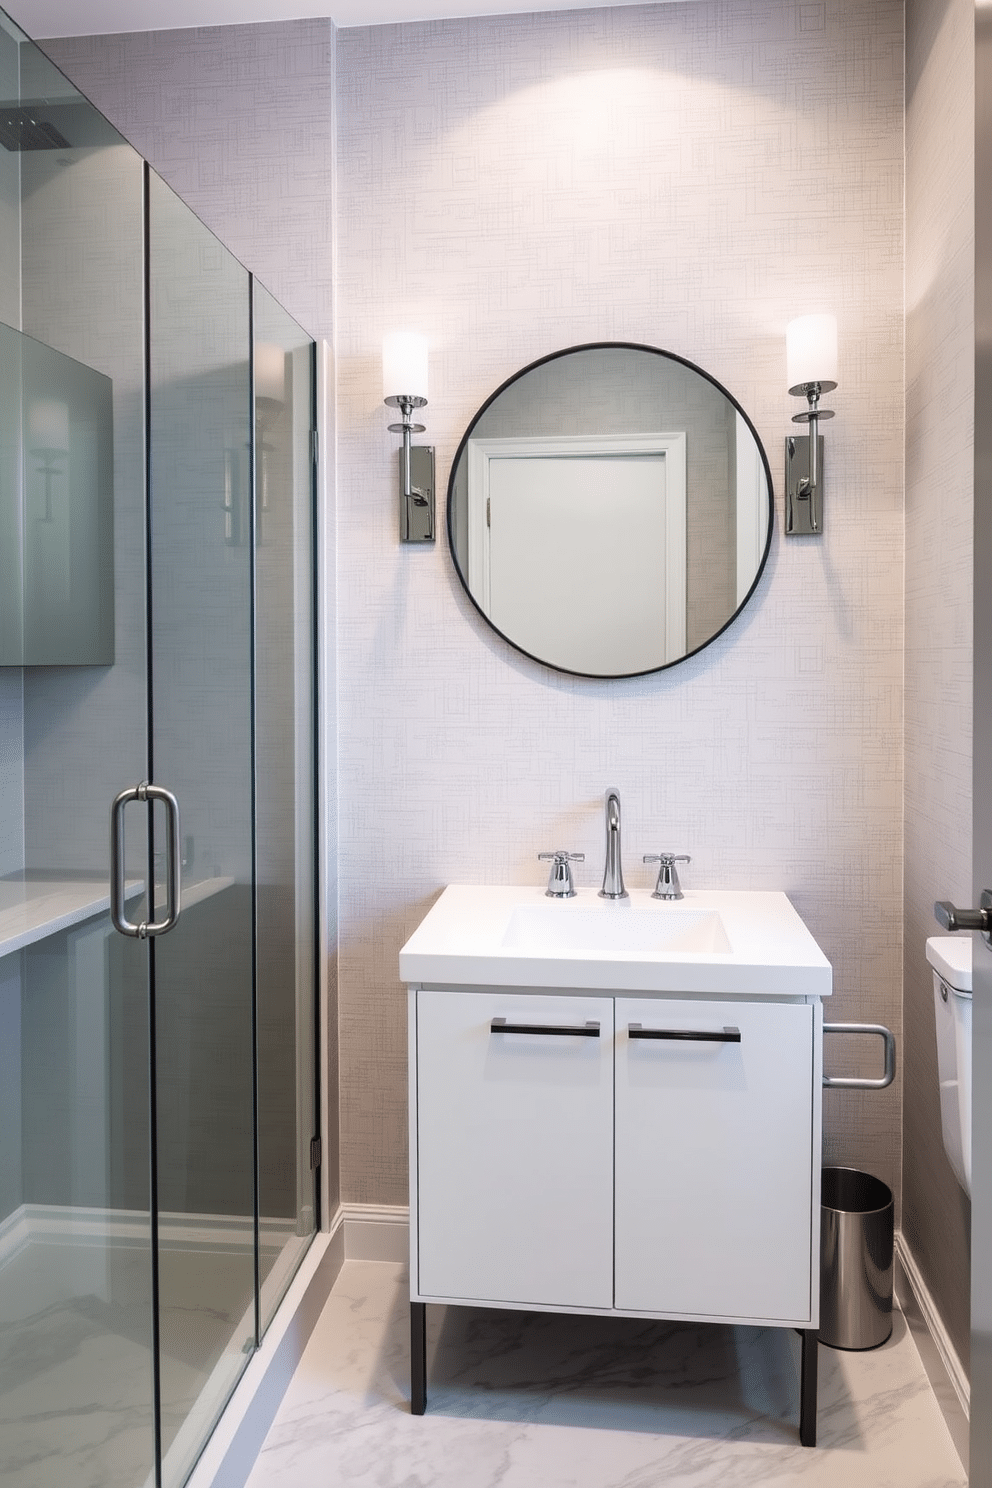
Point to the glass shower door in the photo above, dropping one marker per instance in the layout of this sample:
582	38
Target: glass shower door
157	1094
202	750
76	1264
285	793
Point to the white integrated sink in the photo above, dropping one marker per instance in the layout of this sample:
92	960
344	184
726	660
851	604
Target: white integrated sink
725	942
553	927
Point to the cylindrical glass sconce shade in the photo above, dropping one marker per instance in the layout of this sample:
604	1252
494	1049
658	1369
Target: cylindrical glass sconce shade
811	351
48	425
270	372
404	365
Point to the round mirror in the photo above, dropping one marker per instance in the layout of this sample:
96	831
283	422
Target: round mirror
610	510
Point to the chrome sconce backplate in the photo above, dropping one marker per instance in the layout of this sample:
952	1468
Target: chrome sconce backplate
417	523
803	503
417	508
804	463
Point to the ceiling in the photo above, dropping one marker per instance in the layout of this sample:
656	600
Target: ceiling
41	18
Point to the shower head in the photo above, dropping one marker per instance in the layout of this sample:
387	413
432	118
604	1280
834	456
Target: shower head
22	129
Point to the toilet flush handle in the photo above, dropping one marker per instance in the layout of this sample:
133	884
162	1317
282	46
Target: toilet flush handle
951	918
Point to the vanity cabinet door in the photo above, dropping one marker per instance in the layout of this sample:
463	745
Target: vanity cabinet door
714	1159
514	1149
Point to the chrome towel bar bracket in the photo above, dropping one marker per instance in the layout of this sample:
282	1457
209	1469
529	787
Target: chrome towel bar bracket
843	1082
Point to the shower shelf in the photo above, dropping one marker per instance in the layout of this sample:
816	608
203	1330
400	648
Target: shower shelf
32	908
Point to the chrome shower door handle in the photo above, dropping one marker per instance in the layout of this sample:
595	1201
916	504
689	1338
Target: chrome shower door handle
173	905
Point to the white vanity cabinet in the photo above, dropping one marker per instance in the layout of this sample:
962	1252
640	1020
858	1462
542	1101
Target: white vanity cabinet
714	1134
616	1154
514	1148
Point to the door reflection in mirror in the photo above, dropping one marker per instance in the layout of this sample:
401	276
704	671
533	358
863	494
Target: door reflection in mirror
609	510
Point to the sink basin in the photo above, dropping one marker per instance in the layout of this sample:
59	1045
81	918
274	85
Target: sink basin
724	942
538	927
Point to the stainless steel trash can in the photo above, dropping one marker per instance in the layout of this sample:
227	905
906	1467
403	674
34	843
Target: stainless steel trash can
856	1248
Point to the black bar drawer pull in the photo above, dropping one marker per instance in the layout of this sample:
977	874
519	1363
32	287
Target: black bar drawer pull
579	1030
696	1035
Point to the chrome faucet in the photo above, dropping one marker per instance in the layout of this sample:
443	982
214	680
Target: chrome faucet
613	872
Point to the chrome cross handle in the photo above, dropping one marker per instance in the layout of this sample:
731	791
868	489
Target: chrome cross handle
668	886
560	884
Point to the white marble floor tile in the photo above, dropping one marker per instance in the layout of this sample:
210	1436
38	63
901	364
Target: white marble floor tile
76	1357
527	1400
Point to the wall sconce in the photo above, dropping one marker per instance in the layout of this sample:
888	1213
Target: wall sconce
270	379
48	430
404	366
811	360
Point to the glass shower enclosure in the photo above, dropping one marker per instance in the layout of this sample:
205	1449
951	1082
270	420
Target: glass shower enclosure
158	1080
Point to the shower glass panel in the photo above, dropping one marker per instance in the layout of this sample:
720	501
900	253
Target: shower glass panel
76	1266
201	708
157	1094
285	856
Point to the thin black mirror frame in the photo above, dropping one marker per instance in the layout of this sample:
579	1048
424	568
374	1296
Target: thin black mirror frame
556	356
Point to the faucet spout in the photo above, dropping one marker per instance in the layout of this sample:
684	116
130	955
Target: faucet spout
613	873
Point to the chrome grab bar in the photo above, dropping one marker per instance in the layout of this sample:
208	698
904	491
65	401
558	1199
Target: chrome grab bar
841	1082
173	898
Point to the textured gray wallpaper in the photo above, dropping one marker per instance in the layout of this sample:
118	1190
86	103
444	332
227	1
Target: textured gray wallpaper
688	176
239	121
691	177
940	282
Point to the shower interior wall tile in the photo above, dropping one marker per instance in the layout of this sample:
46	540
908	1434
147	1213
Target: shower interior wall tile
691	177
84	726
11	1174
939	513
11	678
11	770
11	701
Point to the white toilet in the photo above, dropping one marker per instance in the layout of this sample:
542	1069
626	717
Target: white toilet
950	957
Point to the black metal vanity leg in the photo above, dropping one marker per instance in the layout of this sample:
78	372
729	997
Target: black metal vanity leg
418	1358
807	1388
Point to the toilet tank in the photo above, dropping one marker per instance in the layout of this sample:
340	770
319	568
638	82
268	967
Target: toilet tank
950	958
